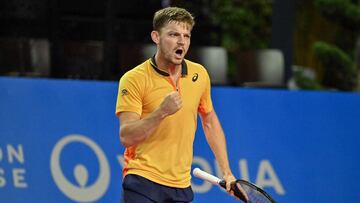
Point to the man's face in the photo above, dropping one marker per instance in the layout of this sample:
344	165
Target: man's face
174	41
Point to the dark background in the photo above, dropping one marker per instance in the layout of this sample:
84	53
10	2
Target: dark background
102	39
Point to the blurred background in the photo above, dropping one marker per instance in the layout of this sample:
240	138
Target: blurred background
293	44
60	62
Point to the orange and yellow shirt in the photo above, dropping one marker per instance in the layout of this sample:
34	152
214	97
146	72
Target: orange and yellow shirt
165	157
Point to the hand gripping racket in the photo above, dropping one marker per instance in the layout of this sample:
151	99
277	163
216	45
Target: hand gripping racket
255	194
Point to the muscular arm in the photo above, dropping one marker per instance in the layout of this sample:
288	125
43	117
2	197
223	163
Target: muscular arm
216	139
134	130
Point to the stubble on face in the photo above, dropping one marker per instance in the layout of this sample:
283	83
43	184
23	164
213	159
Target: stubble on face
174	42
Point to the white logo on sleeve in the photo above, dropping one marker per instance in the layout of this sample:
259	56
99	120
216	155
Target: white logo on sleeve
80	192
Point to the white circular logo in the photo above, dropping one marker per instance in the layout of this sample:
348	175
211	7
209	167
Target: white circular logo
81	193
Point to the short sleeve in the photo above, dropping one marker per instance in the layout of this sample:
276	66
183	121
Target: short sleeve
205	105
129	96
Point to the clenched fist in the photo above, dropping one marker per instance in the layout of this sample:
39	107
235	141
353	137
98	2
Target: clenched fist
171	103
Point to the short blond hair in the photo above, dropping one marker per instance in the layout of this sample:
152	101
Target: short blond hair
166	15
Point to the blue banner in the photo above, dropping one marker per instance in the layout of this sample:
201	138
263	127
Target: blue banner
59	143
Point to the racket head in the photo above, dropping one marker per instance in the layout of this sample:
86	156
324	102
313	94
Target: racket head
255	194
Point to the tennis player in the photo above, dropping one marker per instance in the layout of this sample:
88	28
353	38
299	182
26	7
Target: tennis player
157	105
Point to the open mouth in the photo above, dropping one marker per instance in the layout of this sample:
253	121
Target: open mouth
179	52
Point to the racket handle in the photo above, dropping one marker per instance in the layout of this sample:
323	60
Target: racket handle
235	189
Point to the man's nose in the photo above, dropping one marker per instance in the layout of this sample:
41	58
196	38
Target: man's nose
181	39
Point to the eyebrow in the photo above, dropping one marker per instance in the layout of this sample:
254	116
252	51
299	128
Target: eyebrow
173	31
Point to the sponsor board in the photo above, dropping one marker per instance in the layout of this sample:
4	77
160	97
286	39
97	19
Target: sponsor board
59	143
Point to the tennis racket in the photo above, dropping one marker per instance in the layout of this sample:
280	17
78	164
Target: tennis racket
254	193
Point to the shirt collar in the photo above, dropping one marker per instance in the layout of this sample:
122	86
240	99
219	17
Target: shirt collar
184	70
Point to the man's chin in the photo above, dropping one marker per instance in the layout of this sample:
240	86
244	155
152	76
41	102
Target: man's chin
178	61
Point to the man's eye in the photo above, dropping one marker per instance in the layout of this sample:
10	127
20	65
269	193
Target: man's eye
174	34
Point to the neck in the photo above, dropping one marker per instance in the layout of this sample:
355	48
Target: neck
172	69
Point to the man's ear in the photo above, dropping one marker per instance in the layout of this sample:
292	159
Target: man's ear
155	36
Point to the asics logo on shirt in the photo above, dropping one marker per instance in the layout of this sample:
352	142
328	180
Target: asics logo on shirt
195	77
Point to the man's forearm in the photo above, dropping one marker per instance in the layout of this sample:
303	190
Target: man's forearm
218	146
217	142
216	139
135	132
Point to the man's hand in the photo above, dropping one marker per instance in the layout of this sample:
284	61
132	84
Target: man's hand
171	103
229	180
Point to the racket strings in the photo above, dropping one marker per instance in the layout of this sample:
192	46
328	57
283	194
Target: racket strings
254	195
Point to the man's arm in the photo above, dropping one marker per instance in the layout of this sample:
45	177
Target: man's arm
216	139
134	130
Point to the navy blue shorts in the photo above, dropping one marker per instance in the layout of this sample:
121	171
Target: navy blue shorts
137	189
